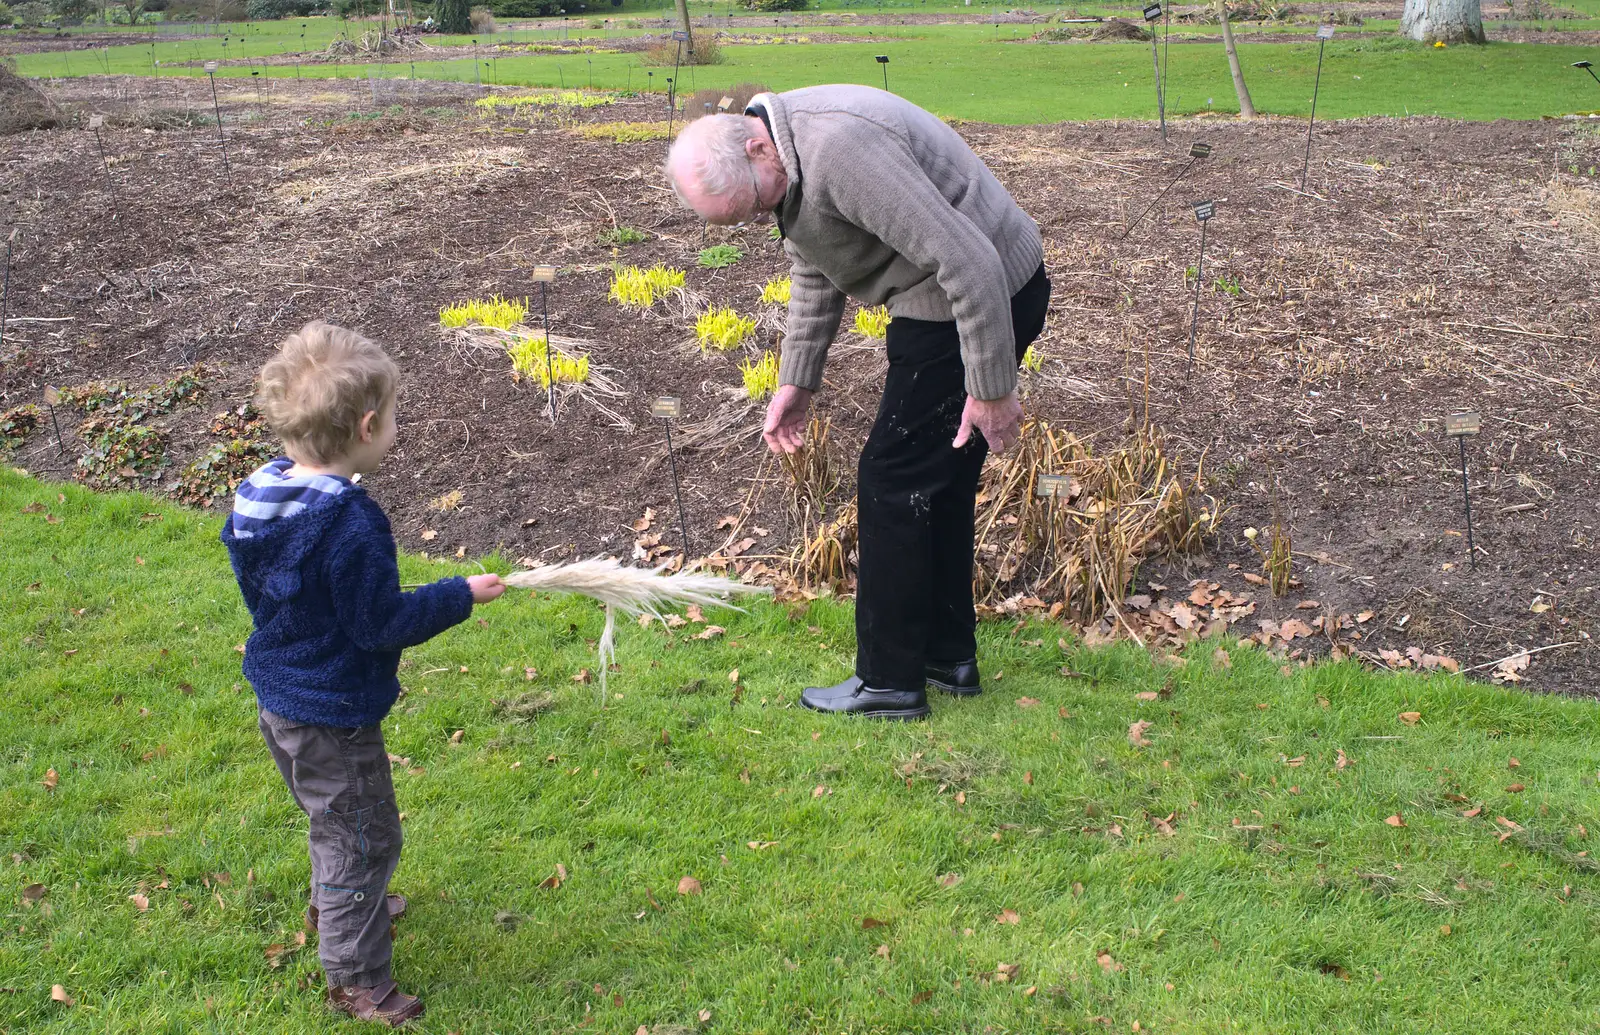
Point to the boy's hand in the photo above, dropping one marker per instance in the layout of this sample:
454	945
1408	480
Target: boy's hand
485	588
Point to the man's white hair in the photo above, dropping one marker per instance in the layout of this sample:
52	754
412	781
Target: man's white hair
711	153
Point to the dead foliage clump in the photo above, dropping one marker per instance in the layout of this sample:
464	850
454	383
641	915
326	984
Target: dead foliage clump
22	106
1119	29
667	54
1082	547
739	98
825	533
954	769
524	707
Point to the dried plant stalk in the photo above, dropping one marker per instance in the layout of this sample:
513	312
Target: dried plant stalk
1084	548
632	590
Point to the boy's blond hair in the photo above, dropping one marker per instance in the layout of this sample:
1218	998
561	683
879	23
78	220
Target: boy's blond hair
323	380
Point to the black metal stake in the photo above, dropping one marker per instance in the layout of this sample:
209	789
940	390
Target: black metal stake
883	59
672	106
1152	14
1199	275
1466	499
61	447
5	295
1305	166
111	187
683	522
549	348
1194	156
216	106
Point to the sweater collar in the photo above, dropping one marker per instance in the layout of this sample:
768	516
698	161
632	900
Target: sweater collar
769	107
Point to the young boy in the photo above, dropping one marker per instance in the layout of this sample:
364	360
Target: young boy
315	561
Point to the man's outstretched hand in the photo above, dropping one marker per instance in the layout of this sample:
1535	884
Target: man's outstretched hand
999	421
785	429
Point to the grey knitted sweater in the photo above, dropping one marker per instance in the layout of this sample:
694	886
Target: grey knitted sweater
888	205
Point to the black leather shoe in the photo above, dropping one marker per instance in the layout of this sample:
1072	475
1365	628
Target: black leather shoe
960	678
852	697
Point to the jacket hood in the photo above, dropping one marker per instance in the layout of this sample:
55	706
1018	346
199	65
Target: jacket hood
272	558
783	137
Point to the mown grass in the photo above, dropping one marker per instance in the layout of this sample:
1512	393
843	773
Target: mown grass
1282	901
965	71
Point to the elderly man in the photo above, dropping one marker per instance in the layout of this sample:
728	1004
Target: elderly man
880	201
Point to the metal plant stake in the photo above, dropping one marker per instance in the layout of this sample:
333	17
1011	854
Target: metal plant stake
1324	34
1203	211
1152	14
669	408
1197	152
1458	426
883	59
544	276
216	106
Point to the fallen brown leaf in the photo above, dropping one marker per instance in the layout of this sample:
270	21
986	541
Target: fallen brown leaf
1107	964
1410	718
950	880
1026	702
694	614
868	923
58	993
1516	788
688	886
1136	735
704	1015
140	902
1395	821
50	780
710	632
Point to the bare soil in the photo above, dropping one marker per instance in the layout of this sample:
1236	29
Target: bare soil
1430	266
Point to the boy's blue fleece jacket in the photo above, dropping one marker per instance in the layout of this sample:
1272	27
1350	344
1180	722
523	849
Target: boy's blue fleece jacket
324	590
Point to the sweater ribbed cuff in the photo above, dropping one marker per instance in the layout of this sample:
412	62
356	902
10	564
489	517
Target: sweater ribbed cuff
991	380
801	366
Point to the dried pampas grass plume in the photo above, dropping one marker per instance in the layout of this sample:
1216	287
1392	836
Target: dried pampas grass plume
633	590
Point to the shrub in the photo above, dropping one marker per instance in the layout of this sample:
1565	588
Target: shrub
760	376
216	473
6	17
73	12
498	312
707	51
776	292
482	20
873	322
17	424
721	329
618	236
639	288
453	16
118	452
206	10
531	358
30	13
720	256
536	8
268	10
624	132
776	5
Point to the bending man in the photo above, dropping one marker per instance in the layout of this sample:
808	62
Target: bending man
880	201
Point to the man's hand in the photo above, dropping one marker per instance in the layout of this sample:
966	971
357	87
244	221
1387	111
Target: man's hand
485	588
785	428
999	420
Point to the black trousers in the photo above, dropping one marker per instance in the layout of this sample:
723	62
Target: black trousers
916	498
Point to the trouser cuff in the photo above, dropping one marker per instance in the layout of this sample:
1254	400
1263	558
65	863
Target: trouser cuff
359	978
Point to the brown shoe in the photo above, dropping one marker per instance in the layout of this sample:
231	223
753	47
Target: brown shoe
396	903
385	1003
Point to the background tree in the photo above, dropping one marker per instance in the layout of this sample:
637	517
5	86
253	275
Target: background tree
73	12
1443	21
453	15
1247	109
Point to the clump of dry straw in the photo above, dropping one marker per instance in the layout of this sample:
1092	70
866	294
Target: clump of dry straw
633	590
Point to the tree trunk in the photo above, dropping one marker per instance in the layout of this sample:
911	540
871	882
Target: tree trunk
683	16
453	16
1247	110
1443	21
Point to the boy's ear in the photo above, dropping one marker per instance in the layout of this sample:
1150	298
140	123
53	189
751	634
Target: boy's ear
367	421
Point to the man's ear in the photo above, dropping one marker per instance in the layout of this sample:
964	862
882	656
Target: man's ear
367	421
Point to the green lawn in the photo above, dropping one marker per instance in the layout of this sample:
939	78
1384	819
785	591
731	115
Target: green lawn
964	72
1282	901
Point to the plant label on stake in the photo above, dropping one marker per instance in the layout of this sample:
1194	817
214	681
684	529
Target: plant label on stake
1203	211
883	59
669	408
1051	487
544	276
95	122
216	106
51	399
724	104
1196	152
1152	14
1458	426
1324	34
